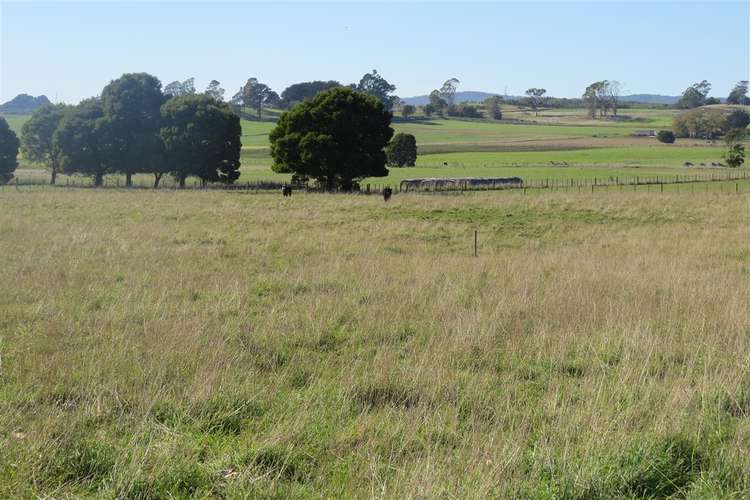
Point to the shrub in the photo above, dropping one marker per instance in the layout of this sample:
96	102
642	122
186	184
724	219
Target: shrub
665	136
402	150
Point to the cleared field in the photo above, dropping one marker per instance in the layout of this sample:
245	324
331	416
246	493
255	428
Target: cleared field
166	344
16	122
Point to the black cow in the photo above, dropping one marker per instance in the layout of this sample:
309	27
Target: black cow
286	191
387	192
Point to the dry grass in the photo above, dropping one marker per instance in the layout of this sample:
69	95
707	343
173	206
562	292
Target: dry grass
158	344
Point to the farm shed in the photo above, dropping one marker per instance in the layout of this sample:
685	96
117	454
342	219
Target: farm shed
458	183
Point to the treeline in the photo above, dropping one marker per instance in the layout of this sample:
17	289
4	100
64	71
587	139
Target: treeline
134	127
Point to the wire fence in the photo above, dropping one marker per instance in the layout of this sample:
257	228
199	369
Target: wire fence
657	182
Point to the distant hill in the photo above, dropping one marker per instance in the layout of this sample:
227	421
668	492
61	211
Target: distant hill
651	98
467	95
23	104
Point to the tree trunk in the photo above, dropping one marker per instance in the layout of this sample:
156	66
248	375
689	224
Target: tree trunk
128	179
98	180
157	178
53	179
260	110
182	181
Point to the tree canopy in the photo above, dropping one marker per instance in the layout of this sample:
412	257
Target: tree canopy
375	85
256	95
82	143
535	98
738	95
336	138
202	138
302	91
176	88
9	145
131	107
695	95
402	150
37	134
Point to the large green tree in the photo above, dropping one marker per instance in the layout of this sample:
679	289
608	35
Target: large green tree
336	138
448	90
83	144
131	106
202	138
9	145
375	85
255	95
36	137
302	91
738	95
176	88
695	95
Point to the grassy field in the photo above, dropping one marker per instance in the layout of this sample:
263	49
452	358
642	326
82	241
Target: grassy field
173	344
591	148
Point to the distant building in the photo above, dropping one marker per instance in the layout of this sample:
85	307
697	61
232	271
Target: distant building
644	133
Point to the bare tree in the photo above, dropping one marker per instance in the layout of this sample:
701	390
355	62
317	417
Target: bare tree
613	94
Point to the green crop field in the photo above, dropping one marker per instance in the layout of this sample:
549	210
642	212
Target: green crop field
477	148
230	345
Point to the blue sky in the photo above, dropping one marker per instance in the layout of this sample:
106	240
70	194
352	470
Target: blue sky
71	50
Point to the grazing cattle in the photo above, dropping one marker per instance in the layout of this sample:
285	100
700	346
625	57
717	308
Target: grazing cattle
286	191
387	193
703	164
687	164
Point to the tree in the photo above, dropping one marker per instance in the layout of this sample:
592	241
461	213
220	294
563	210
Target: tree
299	92
602	96
202	138
735	155
612	91
695	95
738	95
255	95
36	137
591	98
402	150
408	110
738	118
448	90
176	89
375	85
492	106
464	110
336	138
701	123
214	90
428	109
665	136
9	145
82	142
535	99
438	103
131	106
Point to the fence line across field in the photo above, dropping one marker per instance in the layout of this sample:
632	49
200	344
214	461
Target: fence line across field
552	184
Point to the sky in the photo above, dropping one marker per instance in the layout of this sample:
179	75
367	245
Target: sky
69	51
